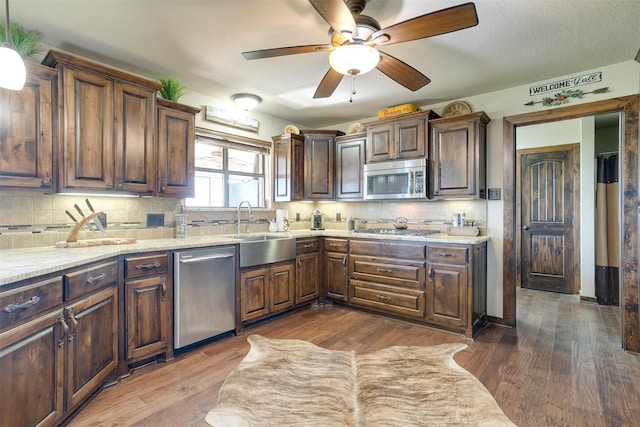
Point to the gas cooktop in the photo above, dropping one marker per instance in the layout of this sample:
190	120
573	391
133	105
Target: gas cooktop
398	232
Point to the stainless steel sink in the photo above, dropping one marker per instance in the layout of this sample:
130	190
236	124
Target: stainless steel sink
265	249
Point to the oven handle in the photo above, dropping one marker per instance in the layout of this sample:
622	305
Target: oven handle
205	258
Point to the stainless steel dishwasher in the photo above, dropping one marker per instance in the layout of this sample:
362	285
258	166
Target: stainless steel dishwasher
204	294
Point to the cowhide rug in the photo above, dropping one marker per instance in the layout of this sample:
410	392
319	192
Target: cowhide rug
296	383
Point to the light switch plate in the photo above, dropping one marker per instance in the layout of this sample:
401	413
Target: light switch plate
494	194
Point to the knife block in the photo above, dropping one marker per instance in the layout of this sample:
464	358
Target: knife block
73	234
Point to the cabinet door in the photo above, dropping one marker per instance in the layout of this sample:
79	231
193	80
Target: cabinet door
288	168
146	317
349	161
447	297
307	277
337	271
282	280
134	138
92	343
26	132
458	155
88	144
253	293
32	366
411	142
380	143
176	155
318	167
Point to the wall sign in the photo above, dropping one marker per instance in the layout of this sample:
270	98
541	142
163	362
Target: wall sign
231	118
564	96
566	84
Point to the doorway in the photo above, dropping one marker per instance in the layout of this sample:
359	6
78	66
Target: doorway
628	107
547	217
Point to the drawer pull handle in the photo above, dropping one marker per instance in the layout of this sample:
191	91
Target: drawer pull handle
148	266
430	274
383	298
308	245
92	280
65	329
384	270
163	291
344	260
335	245
73	322
447	255
23	306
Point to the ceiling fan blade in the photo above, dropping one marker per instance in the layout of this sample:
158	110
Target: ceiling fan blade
429	25
337	14
282	51
402	73
328	84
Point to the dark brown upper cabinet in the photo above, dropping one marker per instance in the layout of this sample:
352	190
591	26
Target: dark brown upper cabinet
176	149
458	156
319	164
107	132
398	138
28	131
350	151
288	167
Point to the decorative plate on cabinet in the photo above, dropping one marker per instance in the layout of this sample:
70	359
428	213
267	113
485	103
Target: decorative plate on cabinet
355	128
291	129
456	108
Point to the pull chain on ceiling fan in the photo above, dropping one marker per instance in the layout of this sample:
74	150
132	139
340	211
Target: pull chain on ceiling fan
354	39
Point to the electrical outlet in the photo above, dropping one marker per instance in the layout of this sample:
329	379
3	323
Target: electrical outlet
155	220
494	194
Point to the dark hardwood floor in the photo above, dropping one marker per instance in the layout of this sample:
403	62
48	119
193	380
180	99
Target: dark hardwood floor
564	366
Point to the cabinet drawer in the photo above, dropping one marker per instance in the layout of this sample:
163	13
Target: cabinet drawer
85	281
27	300
146	265
387	249
307	245
336	245
406	274
451	254
405	302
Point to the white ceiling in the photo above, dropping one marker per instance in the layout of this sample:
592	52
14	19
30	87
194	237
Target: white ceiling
200	42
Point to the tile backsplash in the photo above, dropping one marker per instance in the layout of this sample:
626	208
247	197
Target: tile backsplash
34	219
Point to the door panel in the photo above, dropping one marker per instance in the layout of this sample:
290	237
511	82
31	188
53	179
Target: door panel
547	184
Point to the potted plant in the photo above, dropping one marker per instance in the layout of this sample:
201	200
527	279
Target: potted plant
171	89
26	43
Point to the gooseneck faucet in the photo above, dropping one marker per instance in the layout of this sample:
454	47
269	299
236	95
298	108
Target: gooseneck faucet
238	218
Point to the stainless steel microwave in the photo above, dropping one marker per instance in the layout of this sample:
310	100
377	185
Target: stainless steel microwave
403	179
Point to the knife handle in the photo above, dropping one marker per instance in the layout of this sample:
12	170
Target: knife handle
79	210
71	216
89	205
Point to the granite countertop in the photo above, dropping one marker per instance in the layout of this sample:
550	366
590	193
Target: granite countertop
20	264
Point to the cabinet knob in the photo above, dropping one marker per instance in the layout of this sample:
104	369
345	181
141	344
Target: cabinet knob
163	189
46	182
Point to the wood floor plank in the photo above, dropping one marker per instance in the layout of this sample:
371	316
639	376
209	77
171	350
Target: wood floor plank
562	366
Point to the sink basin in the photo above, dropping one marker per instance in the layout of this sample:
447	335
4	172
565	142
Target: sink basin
266	249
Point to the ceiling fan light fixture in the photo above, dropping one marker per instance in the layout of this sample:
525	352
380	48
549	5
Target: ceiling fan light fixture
246	101
353	59
13	73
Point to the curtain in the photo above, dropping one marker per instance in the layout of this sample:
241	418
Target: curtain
607	231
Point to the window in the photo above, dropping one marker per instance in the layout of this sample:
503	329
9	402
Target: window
228	173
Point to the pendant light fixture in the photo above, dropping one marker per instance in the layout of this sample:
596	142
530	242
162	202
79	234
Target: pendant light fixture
12	70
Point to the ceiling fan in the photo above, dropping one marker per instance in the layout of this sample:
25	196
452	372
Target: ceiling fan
354	38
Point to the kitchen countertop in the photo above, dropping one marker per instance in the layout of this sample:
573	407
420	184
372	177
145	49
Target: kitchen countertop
21	264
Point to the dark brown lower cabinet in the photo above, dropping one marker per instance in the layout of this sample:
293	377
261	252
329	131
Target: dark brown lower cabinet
308	273
148	302
266	290
79	340
336	266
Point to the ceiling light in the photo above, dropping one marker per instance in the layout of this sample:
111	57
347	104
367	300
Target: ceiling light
354	58
246	101
13	72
